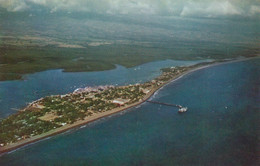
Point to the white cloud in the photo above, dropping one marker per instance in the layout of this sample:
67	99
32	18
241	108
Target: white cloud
212	9
14	5
255	10
188	8
39	2
21	7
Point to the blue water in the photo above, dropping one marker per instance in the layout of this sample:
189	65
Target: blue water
15	94
220	127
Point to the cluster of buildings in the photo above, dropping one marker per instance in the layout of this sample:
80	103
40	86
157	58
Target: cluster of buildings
93	89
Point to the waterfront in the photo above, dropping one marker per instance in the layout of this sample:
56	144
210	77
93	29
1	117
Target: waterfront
56	114
219	128
15	94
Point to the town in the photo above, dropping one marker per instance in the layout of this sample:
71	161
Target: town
52	112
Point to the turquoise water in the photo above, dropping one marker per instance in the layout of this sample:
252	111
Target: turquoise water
220	127
15	94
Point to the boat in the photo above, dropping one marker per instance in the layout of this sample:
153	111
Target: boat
182	110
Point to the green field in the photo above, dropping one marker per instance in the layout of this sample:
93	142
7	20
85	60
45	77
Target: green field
18	60
86	42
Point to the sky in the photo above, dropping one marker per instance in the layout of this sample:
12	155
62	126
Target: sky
182	8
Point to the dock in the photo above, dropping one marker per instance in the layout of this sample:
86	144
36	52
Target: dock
181	108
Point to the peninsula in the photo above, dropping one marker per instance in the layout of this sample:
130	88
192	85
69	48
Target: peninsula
58	113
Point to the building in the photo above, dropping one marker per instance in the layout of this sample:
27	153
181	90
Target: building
120	102
145	90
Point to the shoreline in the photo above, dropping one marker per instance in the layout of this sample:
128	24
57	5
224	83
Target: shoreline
22	143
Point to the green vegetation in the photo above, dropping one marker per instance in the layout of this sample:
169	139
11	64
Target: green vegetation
18	60
55	111
23	125
85	42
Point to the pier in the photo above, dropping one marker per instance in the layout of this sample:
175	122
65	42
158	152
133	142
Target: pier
167	104
181	108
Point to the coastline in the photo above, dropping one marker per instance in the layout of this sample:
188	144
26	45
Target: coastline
97	116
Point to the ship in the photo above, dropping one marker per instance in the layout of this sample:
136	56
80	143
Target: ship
182	109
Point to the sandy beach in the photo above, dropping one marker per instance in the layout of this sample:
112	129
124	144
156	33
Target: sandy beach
97	116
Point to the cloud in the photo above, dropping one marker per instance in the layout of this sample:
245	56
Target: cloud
255	10
21	7
14	5
212	9
188	8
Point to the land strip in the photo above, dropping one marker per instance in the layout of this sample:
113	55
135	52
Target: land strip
56	114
